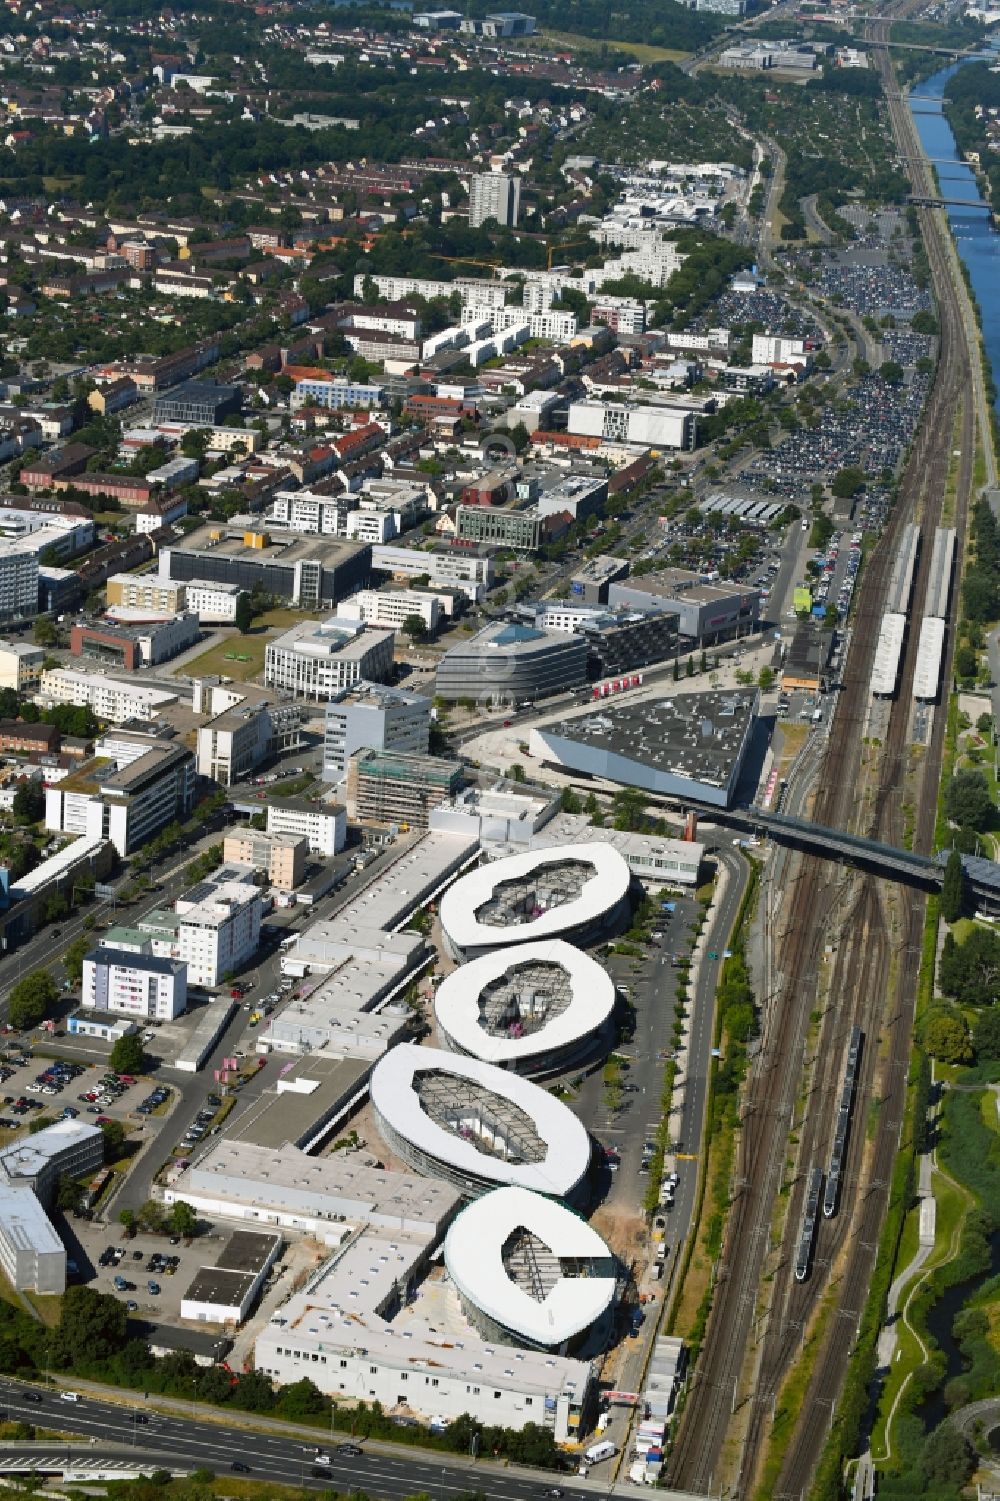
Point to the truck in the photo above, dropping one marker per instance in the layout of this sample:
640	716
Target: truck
593	1456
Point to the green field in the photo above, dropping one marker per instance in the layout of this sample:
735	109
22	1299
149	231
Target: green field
239	657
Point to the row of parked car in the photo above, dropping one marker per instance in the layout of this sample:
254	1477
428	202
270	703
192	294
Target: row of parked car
153	1100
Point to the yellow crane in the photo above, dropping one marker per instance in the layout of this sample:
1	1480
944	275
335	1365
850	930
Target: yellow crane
555	250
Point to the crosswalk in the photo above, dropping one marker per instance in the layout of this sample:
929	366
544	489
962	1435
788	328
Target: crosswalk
67	1463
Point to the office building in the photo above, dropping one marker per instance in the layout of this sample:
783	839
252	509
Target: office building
139	985
374	717
31	1253
494	195
512	664
213	603
391	607
615	422
130	647
198	402
316	660
313	573
520	527
21	666
281	856
387	787
214	928
243	736
322	825
126	797
460	567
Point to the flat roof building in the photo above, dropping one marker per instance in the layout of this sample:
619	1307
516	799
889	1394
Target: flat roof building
133	984
126	796
316	660
313	573
688	746
707	613
224	1292
322	825
200	402
372	716
512	663
386	787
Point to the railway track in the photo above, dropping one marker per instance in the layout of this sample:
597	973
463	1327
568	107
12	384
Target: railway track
878	976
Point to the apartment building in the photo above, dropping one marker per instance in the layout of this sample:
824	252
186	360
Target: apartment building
112	699
214	929
18	579
281	856
145	591
322	825
20	666
494	195
140	985
318	659
376	717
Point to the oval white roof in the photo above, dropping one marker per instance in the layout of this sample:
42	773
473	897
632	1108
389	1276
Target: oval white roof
473	1254
563	1146
605	882
590	991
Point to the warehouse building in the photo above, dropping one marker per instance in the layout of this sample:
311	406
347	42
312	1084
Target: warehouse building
691	746
512	663
225	1292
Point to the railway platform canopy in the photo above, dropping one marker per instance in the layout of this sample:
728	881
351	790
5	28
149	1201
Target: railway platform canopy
885	670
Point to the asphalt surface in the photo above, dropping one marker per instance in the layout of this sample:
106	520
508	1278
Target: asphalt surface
383	1472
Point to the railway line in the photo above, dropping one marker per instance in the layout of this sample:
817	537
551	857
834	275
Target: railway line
875	971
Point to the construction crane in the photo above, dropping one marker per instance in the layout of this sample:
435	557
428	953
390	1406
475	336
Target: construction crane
467	260
555	250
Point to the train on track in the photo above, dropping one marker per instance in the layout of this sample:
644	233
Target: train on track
810	1214
844	1113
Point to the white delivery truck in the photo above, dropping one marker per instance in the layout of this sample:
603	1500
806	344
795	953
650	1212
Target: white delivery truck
593	1456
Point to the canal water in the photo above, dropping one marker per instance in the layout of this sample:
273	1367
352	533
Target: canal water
978	243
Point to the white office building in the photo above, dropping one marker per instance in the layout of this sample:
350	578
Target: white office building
126	795
31	1253
139	985
392	607
214	604
374	717
318	659
615	422
323	825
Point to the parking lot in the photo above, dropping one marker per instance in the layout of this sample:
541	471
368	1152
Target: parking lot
135	1267
62	1089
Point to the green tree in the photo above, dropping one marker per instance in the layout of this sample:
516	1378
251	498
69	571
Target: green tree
415	627
986	1034
947	1459
29	801
946	1036
520	437
967	800
150	1215
114	1139
44	632
891	372
569	802
127	1220
127	1056
847	482
68	1193
952	888
73	959
31	998
765	678
302	1399
244	613
183	1220
969	972
91	1328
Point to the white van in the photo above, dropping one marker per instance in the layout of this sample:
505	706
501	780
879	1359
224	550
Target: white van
593	1456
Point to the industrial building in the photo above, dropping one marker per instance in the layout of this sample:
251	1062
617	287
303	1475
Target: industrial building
579	892
389	787
475	1125
512	663
372	716
529	1271
311	572
536	1008
691	746
317	659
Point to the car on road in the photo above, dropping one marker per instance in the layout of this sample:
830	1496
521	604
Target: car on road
240	1467
153	1288
350	1451
322	1459
70	1397
31	1397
